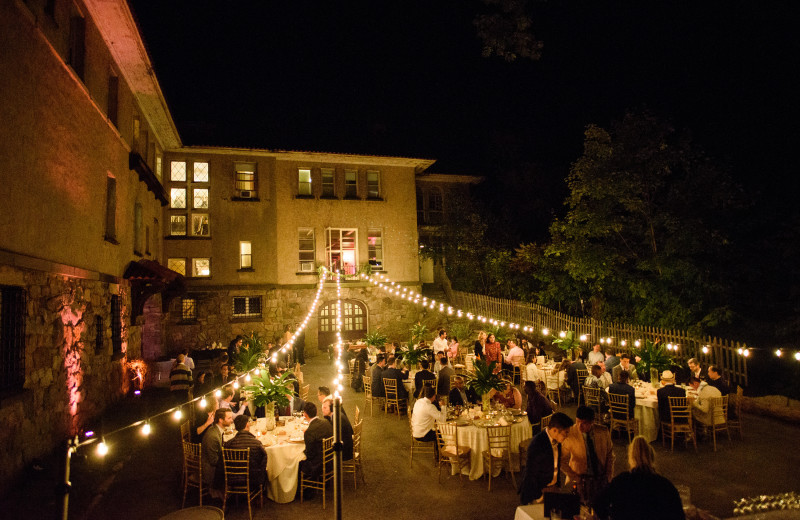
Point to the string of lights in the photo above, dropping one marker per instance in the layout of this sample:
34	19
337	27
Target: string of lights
383	282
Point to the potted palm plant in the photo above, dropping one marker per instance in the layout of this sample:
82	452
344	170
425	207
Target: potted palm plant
418	331
651	358
269	391
376	338
251	354
568	343
483	380
413	355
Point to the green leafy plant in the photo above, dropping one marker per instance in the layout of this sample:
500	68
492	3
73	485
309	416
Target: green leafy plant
251	353
266	389
483	379
376	338
499	333
568	343
418	332
462	331
652	356
412	356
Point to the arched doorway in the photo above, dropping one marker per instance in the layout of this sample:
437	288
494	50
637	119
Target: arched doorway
354	322
152	337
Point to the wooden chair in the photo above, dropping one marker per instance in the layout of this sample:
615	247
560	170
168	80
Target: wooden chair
678	422
582	375
304	392
358	414
735	417
449	450
719	421
418	446
545	422
621	418
237	478
499	452
595	398
326	475
368	398
555	387
523	449
186	431
351	372
193	471
354	465
392	400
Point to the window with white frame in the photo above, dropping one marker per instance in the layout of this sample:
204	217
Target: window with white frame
200	227
304	181
341	249
177	197
245	255
201	267
351	184
191	195
373	184
246	306
177	171
200	172
328	182
375	249
307	254
177	225
177	264
245	180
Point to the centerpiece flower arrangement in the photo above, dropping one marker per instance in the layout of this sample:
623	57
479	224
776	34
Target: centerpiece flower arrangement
652	358
268	391
567	342
251	354
483	380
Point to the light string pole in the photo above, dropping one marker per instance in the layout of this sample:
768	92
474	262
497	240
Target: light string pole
336	410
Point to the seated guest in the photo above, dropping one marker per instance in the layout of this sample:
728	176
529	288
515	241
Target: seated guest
715	379
296	405
640	492
604	375
572	374
323	393
695	369
538	405
318	430
542	471
437	365
216	367
424	416
460	396
180	380
226	401
595	356
667	390
203	384
624	366
532	371
611	360
257	464
394	372
347	428
422	375
701	406
589	450
359	369
621	387
446	372
211	449
508	397
515	355
224	375
452	349
377	376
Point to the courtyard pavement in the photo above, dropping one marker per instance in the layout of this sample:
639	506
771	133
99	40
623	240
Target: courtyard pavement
140	478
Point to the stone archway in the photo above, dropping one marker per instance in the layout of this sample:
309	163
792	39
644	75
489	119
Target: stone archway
152	333
354	322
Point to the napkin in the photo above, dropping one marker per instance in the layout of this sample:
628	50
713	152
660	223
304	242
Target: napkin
502	422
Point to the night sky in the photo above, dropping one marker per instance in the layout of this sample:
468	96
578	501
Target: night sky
407	78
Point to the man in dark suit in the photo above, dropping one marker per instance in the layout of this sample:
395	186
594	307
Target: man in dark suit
423	375
347	428
393	372
716	380
572	374
543	469
621	387
611	359
377	376
318	429
258	455
460	396
667	390
211	449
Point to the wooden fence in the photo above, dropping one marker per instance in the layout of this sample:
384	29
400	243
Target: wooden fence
720	352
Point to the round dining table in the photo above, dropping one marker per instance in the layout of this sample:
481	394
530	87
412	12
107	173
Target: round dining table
477	440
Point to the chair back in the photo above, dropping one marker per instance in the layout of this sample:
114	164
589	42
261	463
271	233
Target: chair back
680	411
545	421
186	431
469	362
619	406
499	438
719	410
358	414
582	375
367	385
192	460
237	475
304	392
447	436
391	388
357	429
593	397
327	458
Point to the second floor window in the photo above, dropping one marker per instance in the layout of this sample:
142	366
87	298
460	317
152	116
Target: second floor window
341	249
190	194
351	184
373	184
177	264
306	250
245	255
201	267
304	182
328	183
375	249
245	180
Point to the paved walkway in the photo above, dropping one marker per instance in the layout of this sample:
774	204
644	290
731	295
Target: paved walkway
140	478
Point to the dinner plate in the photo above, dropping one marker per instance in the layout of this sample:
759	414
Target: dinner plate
296	439
462	422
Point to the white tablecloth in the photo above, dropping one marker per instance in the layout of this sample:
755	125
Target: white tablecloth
477	440
646	412
531	512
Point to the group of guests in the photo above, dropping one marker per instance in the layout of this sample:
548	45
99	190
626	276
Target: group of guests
185	380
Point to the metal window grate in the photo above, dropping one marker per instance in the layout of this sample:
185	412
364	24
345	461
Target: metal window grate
246	306
99	331
116	324
189	309
13	308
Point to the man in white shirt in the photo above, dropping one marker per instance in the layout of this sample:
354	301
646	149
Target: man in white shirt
424	417
440	343
225	401
701	406
595	356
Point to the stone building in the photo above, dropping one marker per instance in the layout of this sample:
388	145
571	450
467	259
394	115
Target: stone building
250	229
83	126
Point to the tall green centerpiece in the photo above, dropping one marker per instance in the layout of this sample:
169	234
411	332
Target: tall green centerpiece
269	391
652	359
567	342
483	380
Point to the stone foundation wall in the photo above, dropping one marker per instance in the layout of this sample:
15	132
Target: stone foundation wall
215	322
68	380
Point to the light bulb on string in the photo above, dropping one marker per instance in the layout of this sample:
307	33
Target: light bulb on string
797	356
778	353
177	414
203	403
705	349
102	448
218	393
146	429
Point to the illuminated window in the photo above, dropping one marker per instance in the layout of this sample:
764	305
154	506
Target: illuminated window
177	225
306	250
304	181
351	184
177	171
159	165
328	183
200	172
201	267
245	181
188	309
200	198
13	311
177	264
177	197
375	249
340	247
200	227
373	184
245	255
246	306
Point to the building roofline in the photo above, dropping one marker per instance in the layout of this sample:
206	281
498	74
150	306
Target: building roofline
449	178
419	165
118	28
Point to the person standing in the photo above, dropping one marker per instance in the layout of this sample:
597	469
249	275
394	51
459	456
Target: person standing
493	352
189	362
543	468
480	343
590	455
180	380
377	377
440	343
